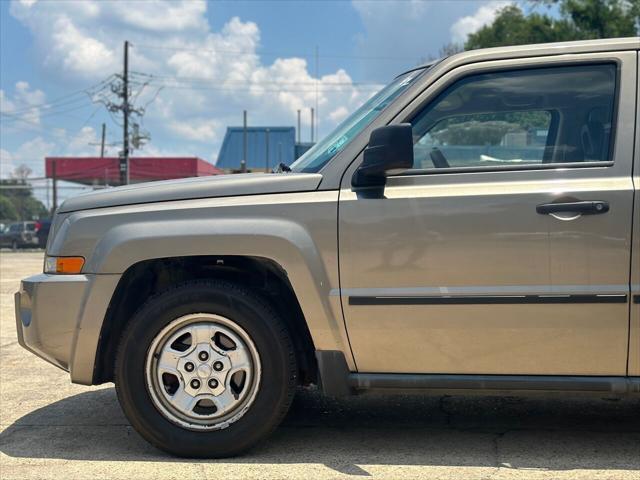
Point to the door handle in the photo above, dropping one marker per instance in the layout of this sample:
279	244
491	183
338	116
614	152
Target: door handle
588	207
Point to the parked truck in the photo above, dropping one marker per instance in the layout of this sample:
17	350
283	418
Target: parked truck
473	227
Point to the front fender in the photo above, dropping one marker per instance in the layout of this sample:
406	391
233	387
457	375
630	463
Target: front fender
296	231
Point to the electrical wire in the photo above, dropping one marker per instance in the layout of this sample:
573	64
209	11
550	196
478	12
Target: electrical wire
57	100
14	118
196	80
253	88
275	54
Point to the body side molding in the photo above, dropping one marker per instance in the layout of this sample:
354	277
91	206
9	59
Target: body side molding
486	299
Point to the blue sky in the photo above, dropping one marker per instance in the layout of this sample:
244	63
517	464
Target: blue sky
199	64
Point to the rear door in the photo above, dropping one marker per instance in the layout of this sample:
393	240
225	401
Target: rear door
506	250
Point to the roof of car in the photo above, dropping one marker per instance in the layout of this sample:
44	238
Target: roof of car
541	49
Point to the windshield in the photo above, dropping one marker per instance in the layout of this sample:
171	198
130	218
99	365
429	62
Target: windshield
318	155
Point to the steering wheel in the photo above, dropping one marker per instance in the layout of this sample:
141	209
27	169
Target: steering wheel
438	158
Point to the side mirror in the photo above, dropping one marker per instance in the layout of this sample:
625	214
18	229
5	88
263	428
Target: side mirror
390	150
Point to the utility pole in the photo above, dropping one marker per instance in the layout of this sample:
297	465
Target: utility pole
129	141
55	185
104	129
312	115
317	59
267	131
124	159
243	162
298	131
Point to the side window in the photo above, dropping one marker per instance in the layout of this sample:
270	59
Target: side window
520	117
16	227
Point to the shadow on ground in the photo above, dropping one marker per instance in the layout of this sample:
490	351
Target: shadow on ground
545	433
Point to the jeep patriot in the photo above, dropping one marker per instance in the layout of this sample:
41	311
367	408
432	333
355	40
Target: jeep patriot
473	227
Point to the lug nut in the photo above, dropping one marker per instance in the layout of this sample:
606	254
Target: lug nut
195	384
189	367
217	366
213	383
204	356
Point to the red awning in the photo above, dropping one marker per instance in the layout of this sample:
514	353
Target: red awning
106	170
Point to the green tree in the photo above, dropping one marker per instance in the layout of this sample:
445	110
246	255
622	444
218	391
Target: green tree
20	194
578	20
512	27
602	18
7	209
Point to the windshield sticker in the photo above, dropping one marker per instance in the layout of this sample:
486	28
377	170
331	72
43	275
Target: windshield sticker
337	146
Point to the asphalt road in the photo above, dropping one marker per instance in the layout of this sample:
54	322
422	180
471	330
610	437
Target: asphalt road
52	429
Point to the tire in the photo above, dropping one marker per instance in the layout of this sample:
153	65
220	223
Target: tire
194	307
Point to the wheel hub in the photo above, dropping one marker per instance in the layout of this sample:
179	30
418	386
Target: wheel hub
203	371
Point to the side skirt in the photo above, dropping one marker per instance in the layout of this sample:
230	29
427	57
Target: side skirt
336	380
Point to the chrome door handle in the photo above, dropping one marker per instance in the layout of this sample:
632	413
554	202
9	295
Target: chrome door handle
588	207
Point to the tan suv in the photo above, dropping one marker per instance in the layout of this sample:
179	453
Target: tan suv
472	227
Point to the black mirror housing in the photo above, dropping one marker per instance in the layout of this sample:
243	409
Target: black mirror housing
390	150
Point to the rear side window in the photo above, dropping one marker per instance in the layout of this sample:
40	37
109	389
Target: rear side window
522	117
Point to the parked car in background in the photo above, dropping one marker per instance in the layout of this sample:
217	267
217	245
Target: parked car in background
470	228
20	235
28	234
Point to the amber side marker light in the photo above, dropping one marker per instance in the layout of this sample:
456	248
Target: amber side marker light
63	265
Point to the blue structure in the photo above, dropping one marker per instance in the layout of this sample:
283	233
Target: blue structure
281	141
301	148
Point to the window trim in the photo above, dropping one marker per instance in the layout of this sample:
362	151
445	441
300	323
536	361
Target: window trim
502	168
617	62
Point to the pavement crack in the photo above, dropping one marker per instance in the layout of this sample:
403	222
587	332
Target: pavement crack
498	465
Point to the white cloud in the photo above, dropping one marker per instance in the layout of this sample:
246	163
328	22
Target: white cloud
160	16
82	143
401	35
208	77
68	35
6	163
203	130
31	153
78	51
25	95
338	114
24	104
468	24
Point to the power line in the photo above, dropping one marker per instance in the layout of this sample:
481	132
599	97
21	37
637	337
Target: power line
262	89
187	79
34	127
14	118
276	54
57	100
304	87
46	109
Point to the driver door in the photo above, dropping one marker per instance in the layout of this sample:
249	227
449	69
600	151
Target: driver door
458	269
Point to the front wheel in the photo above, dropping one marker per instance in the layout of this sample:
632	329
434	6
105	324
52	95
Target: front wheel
205	370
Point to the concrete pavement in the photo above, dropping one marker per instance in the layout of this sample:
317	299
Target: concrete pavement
52	429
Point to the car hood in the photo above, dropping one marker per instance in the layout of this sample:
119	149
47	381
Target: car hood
198	187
